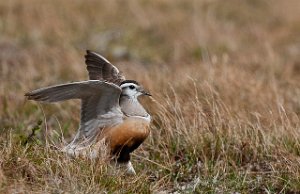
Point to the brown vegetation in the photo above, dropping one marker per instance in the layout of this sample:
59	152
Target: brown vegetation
225	79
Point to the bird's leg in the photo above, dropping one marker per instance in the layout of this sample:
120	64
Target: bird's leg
122	160
124	167
130	170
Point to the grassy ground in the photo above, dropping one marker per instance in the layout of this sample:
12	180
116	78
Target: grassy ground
225	79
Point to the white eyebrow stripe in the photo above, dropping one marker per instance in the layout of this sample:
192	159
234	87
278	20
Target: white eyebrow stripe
128	84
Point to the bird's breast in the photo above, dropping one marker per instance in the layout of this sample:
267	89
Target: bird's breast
131	133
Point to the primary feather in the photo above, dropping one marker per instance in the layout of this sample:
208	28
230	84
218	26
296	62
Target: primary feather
100	68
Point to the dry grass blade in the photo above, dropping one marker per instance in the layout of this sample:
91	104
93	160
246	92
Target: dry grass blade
225	81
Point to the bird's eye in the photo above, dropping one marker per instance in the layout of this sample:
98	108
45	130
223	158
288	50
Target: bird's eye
131	87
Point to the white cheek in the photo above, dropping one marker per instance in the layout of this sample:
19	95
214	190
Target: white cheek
129	92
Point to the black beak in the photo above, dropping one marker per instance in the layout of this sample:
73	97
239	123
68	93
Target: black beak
146	93
141	89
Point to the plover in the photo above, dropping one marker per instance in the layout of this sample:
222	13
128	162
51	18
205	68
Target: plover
110	110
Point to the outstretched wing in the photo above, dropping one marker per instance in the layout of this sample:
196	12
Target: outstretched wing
100	68
100	103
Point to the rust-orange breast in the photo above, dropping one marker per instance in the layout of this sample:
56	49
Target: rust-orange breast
131	132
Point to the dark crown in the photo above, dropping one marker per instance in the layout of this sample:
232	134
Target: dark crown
130	81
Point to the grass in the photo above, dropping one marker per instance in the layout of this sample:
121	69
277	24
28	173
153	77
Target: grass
225	82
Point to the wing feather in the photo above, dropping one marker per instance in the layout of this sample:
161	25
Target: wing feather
99	102
100	68
76	90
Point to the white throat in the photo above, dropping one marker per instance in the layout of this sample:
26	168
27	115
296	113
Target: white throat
131	107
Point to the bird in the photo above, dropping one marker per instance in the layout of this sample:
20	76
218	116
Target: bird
110	111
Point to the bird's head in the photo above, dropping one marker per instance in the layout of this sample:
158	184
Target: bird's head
132	89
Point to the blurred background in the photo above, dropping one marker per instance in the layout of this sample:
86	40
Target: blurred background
239	58
157	32
50	37
43	42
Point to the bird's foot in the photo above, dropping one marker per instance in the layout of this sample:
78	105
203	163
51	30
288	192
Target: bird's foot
125	168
